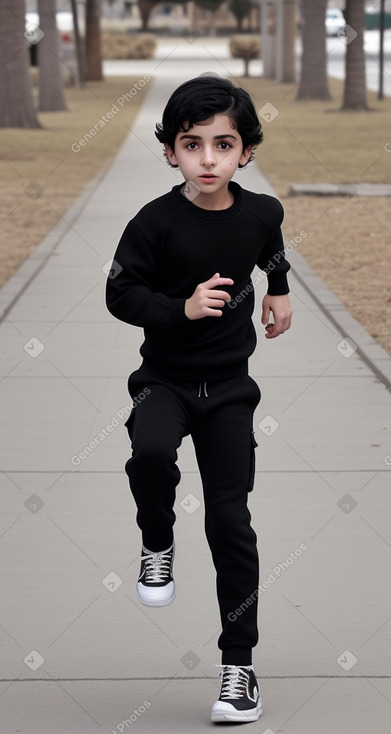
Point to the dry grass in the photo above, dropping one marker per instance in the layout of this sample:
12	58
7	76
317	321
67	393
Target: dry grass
348	246
314	142
348	241
43	159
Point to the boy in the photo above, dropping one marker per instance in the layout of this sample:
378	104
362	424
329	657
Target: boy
184	265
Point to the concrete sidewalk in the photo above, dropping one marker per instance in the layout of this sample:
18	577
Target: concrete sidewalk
80	655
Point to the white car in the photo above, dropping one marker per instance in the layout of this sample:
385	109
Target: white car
334	21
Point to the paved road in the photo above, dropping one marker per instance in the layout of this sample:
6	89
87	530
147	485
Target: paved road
79	654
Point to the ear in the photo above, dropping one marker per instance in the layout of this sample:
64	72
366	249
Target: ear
170	154
245	155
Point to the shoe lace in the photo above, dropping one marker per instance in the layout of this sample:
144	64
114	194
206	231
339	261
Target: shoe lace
157	566
234	681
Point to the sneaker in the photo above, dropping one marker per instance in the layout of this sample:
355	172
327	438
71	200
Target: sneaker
155	585
240	698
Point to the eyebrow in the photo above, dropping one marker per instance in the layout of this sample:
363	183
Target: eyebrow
198	137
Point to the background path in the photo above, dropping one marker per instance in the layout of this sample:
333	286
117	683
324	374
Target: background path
80	655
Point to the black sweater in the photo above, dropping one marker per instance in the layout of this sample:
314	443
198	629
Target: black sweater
168	248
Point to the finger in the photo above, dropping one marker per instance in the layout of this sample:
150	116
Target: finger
213	312
278	326
274	330
215	303
222	295
270	334
283	324
265	314
216	281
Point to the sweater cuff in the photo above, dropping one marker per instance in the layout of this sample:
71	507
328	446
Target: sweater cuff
277	284
177	310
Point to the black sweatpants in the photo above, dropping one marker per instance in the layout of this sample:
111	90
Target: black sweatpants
219	417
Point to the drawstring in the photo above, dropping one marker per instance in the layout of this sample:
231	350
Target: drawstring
200	389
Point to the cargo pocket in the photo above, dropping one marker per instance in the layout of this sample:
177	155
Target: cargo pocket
129	423
252	463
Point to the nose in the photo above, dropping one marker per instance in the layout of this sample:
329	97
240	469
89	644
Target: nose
208	157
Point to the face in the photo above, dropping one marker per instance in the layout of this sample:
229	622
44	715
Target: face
209	148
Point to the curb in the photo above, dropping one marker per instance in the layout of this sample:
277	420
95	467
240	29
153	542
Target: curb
11	291
370	351
348	189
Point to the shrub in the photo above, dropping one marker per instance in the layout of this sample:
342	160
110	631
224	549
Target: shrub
245	47
128	45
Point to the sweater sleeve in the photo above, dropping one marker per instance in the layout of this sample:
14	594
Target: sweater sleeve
130	292
272	259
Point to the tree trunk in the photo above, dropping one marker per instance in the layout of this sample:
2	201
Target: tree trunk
79	46
313	80
285	40
93	44
212	23
145	8
268	45
355	93
51	82
16	97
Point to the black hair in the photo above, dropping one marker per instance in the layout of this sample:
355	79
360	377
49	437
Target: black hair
198	100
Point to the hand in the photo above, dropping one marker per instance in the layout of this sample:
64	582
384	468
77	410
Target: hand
282	314
206	301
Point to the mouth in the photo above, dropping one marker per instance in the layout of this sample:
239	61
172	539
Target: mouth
208	177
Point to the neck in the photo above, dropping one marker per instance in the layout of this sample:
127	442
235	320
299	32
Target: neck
215	202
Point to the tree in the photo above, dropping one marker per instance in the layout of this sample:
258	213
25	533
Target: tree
313	79
246	47
355	93
211	5
78	45
285	40
51	81
16	97
240	9
93	40
145	7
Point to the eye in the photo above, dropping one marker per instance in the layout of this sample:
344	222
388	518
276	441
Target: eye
191	143
224	142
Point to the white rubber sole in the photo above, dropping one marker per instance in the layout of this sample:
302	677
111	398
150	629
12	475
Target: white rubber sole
224	712
156	602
